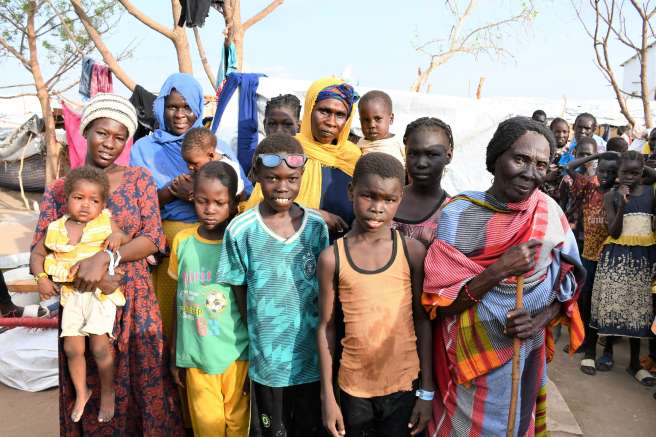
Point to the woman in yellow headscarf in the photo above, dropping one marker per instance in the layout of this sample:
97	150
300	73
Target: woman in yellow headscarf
325	127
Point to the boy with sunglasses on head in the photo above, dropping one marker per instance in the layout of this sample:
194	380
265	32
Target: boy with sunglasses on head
269	257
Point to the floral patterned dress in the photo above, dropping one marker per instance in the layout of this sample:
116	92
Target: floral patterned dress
621	295
146	399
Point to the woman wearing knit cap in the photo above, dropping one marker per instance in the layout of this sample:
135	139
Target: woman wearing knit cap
145	398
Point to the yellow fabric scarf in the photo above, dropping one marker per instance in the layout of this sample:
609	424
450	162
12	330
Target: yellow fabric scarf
343	155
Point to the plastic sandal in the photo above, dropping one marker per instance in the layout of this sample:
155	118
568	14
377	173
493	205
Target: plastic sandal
34	311
643	377
605	363
588	366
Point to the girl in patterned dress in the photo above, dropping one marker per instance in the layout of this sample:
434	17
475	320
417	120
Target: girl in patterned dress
621	295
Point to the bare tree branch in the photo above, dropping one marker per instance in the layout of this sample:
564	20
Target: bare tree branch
15	96
20	85
262	14
68	31
66	88
145	19
482	39
18	26
14	52
203	58
600	41
109	59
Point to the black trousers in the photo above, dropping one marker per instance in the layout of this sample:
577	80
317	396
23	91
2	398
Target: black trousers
381	416
289	411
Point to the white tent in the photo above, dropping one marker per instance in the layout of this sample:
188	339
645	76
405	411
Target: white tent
473	121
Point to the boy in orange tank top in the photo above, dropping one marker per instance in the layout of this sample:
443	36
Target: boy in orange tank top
377	275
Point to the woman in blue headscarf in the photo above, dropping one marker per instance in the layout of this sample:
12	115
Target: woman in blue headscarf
178	108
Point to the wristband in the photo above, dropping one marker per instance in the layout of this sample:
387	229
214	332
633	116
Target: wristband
110	268
425	395
42	275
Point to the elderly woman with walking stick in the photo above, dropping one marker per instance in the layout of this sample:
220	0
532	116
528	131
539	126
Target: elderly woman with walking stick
489	247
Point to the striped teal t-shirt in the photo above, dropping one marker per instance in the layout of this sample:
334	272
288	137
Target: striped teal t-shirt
282	294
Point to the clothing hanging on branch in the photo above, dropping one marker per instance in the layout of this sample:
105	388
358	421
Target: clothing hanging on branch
143	100
247	135
95	78
227	65
85	77
194	12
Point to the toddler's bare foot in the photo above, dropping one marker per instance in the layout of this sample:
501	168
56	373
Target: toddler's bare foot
78	407
106	406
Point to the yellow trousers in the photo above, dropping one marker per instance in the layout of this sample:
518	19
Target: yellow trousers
165	290
217	403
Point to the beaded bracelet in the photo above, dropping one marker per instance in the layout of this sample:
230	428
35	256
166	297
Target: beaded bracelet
469	295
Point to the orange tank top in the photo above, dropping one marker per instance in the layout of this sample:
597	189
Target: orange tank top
379	354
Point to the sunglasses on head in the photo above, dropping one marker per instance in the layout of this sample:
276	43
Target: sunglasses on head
272	160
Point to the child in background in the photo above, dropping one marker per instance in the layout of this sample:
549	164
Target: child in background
377	276
269	257
429	148
560	128
199	148
282	115
621	296
586	148
585	126
86	230
376	116
587	193
551	184
617	144
209	345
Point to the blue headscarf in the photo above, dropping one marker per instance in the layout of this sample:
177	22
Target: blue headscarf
161	152
342	91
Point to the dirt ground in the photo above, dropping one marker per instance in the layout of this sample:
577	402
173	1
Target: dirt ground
609	404
25	414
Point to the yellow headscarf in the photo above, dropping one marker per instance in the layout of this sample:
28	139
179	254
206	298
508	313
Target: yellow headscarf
342	155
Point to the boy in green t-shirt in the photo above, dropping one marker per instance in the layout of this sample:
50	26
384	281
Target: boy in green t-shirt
210	341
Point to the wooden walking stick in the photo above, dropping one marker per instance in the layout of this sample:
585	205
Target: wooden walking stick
517	344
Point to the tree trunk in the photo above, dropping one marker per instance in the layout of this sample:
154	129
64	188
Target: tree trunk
52	148
104	51
237	34
203	59
181	44
644	84
422	78
180	41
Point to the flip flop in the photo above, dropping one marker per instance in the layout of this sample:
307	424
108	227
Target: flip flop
643	377
27	311
605	363
588	366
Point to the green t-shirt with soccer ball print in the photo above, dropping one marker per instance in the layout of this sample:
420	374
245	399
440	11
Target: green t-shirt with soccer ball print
211	334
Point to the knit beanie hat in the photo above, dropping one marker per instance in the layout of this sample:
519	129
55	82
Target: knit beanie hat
113	106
